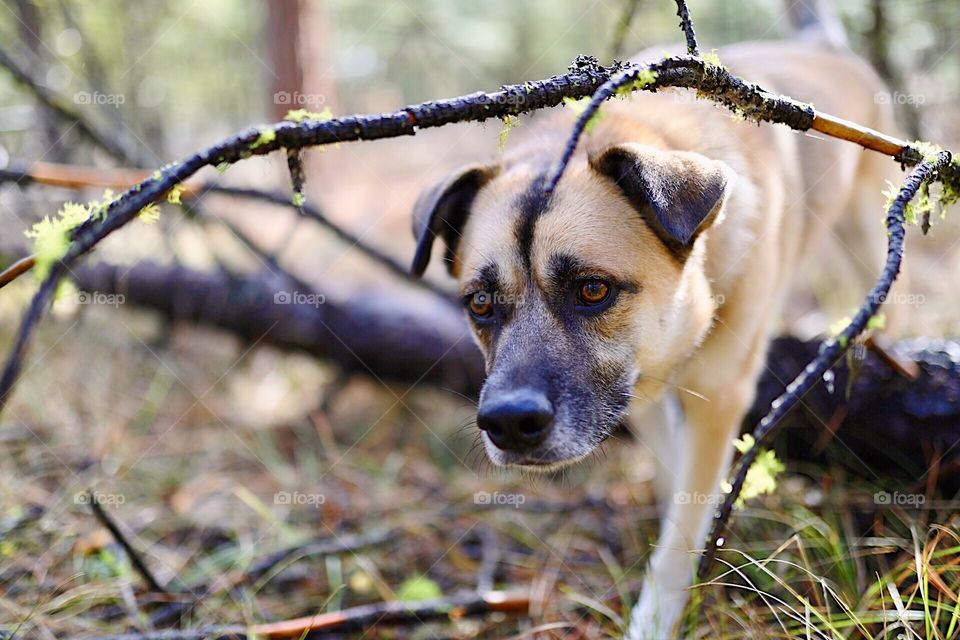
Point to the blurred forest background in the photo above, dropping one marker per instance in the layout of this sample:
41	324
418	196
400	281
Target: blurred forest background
191	435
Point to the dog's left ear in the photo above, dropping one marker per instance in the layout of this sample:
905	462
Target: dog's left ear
678	193
442	211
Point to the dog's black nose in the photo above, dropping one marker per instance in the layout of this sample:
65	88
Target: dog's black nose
517	423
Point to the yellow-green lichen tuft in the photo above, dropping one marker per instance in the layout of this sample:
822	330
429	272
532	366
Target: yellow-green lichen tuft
877	321
509	123
644	78
51	236
302	115
150	213
579	106
762	475
916	210
173	196
267	135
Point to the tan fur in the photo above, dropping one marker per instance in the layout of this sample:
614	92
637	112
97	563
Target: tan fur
702	323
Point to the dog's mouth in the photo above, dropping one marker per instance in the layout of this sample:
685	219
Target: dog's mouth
552	455
528	428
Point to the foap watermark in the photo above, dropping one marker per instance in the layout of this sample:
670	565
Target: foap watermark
914	300
299	297
509	97
87	498
96	98
697	497
298	99
498	298
299	499
499	499
100	298
898	499
912	99
715	299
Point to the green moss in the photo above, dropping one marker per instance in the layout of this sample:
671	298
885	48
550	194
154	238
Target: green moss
419	588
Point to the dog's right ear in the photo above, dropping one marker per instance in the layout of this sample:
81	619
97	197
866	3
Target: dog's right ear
442	211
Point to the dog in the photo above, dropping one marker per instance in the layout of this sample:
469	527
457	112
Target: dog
645	289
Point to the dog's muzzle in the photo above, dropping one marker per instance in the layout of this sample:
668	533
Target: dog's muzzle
518	421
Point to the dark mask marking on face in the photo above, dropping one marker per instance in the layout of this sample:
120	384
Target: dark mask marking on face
531	205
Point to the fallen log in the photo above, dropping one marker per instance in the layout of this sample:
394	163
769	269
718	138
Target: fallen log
403	335
881	418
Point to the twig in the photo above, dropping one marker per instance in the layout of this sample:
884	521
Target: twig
314	548
312	213
122	540
830	351
194	207
489	559
362	617
687	25
16	270
354	619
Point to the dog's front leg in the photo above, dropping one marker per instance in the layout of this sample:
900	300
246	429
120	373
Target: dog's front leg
704	445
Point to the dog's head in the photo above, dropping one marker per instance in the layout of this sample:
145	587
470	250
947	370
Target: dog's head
581	301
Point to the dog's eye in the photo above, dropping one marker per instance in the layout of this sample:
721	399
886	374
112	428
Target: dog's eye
592	291
481	305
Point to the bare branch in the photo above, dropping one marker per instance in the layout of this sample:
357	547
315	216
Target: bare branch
354	619
121	539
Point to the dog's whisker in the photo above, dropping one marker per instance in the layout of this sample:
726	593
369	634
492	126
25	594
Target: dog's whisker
473	401
673	385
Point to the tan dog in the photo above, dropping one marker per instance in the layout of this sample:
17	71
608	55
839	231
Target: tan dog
660	262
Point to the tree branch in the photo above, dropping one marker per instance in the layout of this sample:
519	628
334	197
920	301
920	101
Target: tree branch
830	352
686	25
354	619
